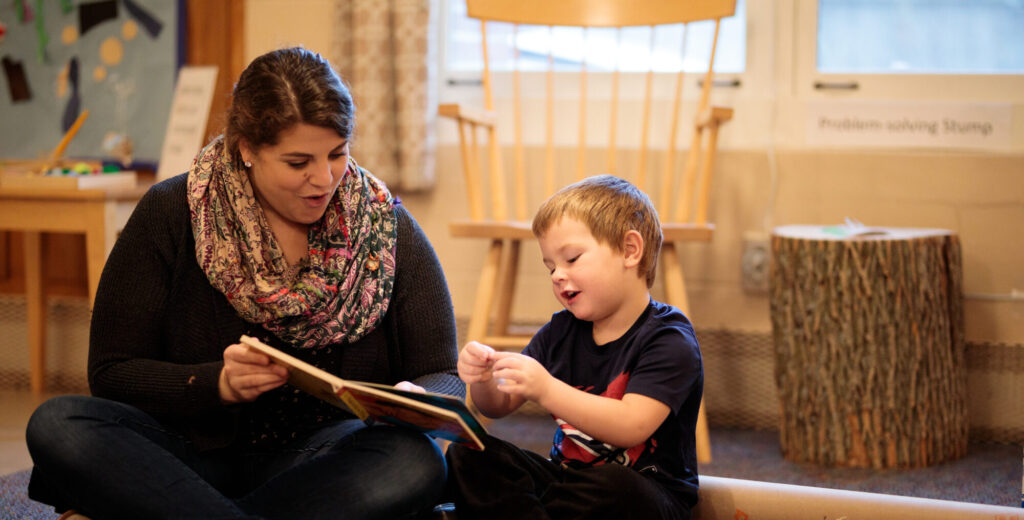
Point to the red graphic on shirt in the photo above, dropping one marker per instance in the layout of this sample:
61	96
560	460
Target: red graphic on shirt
576	445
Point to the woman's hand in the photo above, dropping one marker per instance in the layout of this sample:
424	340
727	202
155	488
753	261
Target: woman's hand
521	375
475	363
247	374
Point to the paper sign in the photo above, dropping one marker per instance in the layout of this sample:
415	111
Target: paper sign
190	109
898	124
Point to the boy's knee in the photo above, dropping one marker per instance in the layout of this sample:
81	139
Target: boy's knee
633	495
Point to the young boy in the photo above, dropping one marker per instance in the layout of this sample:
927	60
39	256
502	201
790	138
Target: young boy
620	373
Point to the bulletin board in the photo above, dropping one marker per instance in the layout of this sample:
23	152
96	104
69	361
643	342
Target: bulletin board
115	58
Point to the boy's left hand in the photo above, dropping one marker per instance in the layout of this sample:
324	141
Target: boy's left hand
410	387
521	375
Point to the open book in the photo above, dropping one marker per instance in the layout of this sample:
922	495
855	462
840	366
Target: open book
437	415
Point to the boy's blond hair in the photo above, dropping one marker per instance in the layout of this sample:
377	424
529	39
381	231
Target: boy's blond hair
610	207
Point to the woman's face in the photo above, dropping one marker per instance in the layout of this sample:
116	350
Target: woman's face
296	178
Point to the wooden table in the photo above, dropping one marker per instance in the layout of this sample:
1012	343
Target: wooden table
97	214
869	346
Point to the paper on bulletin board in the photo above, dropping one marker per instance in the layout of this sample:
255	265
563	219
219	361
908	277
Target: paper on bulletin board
190	109
900	124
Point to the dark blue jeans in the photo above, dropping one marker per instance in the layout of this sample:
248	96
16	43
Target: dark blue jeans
110	460
504	482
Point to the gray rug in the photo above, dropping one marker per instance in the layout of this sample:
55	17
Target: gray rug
14	501
989	474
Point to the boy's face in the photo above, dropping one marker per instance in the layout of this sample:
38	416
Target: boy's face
587	277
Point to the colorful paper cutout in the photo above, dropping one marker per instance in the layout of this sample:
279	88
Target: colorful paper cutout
147	20
111	51
129	30
92	14
24	10
42	37
69	34
73	107
62	82
17	83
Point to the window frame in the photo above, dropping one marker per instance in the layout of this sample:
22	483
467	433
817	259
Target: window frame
777	84
746	91
460	85
812	85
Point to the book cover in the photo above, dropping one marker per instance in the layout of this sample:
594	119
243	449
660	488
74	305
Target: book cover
437	415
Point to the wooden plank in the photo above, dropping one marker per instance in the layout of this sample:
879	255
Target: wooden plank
518	230
599	13
685	232
485	293
507	287
508	342
479	117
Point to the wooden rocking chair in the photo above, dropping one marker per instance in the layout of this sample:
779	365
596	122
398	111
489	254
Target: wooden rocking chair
681	197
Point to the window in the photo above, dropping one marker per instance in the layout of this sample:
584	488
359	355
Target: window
599	47
784	54
921	36
644	50
911	49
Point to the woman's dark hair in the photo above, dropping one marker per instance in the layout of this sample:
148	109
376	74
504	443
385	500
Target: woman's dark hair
282	88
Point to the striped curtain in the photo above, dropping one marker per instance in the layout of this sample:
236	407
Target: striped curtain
386	51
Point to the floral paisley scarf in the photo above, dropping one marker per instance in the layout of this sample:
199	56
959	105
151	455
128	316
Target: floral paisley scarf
338	294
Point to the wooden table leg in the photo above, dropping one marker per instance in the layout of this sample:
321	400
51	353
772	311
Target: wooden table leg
36	302
99	240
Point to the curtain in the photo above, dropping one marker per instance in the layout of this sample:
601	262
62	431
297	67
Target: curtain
386	51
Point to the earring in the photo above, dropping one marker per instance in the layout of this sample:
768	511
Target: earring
247	164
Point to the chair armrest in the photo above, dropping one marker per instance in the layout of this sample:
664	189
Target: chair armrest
686	232
485	118
714	116
492	229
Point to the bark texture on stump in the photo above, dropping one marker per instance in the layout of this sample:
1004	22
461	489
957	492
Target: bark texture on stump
869	348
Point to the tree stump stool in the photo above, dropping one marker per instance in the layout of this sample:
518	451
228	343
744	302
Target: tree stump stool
869	346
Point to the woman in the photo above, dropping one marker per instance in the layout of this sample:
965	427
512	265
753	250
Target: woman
275	232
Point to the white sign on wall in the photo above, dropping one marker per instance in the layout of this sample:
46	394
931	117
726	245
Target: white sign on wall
900	124
190	108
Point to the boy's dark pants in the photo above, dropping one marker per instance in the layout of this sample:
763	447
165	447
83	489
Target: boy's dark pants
504	481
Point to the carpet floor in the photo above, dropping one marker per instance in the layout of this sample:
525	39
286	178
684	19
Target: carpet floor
989	474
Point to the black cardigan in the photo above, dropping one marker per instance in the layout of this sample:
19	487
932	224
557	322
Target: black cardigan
159	330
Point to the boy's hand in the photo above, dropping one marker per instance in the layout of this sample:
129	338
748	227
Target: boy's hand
521	375
409	386
475	363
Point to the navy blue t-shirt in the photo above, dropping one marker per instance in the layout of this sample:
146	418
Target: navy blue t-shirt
659	358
